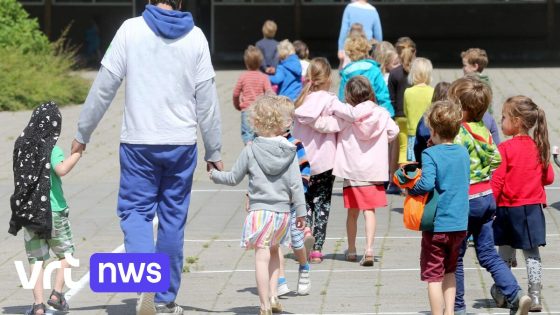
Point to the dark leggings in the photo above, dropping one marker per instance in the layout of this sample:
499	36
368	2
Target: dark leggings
318	199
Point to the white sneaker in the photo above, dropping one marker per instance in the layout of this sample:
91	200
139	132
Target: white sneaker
145	304
283	289
304	282
168	309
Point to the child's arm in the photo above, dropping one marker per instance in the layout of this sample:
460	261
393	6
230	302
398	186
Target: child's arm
427	182
267	86
237	173
495	159
278	77
499	176
549	176
296	188
329	124
67	165
236	95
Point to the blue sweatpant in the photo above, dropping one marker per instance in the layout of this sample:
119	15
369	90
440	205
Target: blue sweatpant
156	179
481	213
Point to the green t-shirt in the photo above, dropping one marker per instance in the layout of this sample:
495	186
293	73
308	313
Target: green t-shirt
58	203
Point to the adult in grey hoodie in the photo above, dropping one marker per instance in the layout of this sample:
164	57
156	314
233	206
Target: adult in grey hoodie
274	177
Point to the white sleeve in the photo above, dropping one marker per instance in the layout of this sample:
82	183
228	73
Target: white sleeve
115	57
204	68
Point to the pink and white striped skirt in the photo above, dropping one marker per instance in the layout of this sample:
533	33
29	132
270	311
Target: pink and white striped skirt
265	228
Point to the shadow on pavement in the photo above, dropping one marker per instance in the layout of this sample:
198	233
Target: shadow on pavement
483	303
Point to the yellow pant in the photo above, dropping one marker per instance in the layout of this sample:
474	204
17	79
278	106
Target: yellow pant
403	139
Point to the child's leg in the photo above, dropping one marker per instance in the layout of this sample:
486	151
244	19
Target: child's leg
449	289
352	228
59	280
506	252
369	217
534	275
38	288
435	295
282	283
322	205
273	271
262	260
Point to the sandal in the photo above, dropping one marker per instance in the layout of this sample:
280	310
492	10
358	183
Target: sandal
367	260
350	256
315	257
35	308
60	303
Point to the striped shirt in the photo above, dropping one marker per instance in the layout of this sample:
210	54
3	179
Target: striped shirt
250	85
304	167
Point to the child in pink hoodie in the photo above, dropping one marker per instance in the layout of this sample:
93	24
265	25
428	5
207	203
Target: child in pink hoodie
316	101
362	160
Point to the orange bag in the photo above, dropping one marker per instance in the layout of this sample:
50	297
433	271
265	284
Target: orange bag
419	210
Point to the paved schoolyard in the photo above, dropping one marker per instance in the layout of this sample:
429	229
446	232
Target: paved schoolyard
218	276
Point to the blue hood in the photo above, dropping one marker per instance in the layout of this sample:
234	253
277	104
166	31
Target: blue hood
169	24
292	64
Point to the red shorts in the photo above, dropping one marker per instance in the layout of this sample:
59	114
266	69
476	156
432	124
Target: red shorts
440	251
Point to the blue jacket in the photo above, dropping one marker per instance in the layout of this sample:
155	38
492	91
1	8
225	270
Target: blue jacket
288	77
170	24
452	210
370	69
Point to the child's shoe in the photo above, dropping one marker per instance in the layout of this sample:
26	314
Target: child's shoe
304	281
315	257
367	260
169	308
308	240
498	297
59	302
145	304
265	312
535	295
283	287
521	305
275	305
35	308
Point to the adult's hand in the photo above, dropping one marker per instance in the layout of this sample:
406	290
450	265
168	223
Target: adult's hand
219	165
77	147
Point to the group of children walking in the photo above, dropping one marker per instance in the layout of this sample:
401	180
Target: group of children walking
386	115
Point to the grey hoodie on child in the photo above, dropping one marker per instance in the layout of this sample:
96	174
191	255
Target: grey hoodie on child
274	177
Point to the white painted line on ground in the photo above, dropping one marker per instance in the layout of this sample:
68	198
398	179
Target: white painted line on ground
345	270
328	238
334	189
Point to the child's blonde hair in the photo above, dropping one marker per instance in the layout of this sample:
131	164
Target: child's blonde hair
269	29
358	90
473	95
266	117
420	71
476	56
253	57
287	108
357	47
531	116
318	76
384	53
444	118
406	49
285	48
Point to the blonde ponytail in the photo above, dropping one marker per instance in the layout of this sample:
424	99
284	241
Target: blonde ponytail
406	49
318	76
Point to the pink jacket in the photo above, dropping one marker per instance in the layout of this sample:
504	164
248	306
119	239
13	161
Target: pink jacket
320	147
362	146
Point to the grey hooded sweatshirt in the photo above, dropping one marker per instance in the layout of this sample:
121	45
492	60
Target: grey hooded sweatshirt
274	177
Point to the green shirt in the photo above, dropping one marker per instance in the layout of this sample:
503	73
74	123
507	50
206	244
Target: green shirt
417	99
484	155
58	203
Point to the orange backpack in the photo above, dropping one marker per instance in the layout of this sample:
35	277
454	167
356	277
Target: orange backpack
419	210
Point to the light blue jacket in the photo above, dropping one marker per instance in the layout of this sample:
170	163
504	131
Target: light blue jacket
370	69
365	14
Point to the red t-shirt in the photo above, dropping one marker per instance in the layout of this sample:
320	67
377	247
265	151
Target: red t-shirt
249	87
520	179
